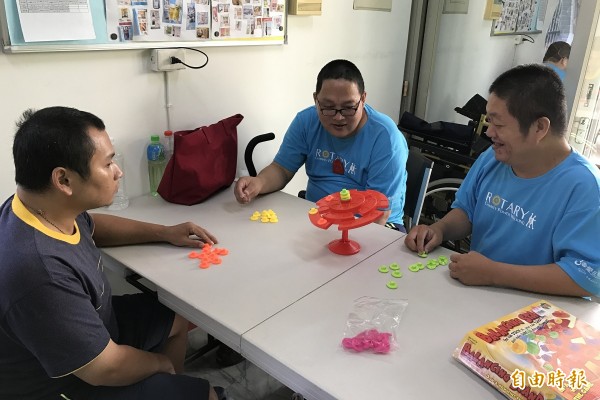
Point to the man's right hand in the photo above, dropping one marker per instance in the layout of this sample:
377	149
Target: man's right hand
247	188
423	238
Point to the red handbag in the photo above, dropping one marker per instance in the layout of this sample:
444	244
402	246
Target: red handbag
204	161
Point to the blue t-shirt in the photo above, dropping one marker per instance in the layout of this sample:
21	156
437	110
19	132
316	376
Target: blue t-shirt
374	158
553	218
55	304
560	72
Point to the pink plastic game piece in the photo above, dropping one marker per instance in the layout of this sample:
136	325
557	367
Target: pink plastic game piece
372	339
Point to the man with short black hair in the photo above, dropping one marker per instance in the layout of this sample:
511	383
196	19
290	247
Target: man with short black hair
344	144
62	333
531	203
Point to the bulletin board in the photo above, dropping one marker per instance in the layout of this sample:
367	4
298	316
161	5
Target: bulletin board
82	25
519	17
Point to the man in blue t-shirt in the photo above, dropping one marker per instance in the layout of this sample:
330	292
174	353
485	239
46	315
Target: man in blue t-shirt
62	333
344	144
531	203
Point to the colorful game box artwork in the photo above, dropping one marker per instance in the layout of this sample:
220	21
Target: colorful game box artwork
539	352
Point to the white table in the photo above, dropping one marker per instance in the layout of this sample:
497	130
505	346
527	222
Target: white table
300	346
269	266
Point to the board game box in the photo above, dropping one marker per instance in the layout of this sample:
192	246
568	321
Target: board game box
539	352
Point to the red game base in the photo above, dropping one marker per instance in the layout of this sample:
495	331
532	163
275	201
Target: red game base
344	248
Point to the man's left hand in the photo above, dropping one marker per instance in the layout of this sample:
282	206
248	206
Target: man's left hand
472	269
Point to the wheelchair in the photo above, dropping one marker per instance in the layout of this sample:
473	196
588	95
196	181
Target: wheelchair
453	148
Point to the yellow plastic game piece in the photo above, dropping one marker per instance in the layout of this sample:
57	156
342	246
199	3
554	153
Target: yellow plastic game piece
313	211
519	347
345	195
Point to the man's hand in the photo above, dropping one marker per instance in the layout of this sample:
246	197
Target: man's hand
423	238
247	188
472	269
183	235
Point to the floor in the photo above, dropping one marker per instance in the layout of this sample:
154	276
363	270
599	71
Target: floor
243	381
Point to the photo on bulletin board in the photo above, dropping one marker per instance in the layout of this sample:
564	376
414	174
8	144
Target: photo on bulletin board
519	17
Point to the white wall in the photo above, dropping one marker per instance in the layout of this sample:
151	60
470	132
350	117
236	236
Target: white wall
468	59
266	84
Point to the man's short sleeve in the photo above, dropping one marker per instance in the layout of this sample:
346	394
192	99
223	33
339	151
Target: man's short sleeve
466	196
294	148
575	245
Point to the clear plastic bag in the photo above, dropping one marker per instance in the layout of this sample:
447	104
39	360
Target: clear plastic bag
372	325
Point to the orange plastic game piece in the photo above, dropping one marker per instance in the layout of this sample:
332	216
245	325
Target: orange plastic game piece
209	255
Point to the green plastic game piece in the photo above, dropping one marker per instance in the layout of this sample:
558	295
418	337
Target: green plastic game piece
384	269
392	285
431	265
397	274
533	348
394	266
442	260
421	266
423	254
414	267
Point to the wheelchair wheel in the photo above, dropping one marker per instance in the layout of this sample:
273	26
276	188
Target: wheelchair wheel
438	201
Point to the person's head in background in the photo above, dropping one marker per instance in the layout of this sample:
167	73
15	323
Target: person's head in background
557	57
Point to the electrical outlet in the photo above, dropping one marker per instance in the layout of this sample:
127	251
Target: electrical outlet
160	59
518	39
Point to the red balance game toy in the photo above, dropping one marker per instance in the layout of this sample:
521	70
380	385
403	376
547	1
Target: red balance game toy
348	209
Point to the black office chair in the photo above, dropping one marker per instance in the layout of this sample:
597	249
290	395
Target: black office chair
418	168
265	137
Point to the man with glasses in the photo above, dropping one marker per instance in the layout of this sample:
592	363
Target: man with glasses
344	144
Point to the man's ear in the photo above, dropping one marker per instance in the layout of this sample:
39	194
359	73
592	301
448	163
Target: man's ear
61	179
541	128
315	96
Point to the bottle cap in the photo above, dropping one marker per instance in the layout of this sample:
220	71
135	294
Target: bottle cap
168	133
155	138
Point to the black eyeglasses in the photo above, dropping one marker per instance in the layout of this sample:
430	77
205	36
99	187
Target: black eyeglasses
345	112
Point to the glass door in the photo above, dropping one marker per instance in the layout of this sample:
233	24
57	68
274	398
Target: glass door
585	130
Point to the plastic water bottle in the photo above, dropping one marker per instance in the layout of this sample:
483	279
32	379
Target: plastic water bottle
155	152
169	145
120	200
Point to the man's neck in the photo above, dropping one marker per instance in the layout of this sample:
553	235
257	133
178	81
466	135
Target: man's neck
49	208
546	157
